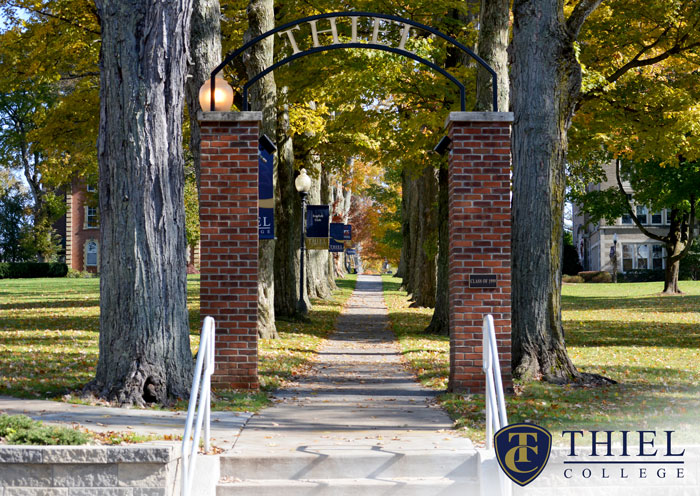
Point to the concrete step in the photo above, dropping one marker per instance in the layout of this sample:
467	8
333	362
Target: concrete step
348	463
351	487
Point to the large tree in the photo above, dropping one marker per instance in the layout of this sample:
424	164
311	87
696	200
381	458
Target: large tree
145	353
546	85
263	97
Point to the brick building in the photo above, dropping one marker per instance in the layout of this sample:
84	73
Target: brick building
80	229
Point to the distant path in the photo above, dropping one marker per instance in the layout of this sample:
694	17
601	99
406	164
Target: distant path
358	391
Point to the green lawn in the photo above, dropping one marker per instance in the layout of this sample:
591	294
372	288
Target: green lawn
49	338
650	344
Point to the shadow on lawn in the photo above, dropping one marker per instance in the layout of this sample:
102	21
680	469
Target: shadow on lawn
651	379
591	333
647	304
62	303
51	323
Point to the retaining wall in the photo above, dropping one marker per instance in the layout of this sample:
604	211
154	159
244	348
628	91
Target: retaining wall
151	469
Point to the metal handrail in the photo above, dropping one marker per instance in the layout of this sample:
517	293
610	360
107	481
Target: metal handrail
495	399
496	416
203	407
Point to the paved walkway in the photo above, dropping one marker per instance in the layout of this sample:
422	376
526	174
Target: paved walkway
358	393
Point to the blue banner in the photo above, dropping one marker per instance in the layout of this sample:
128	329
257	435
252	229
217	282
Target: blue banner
317	223
336	242
266	193
347	232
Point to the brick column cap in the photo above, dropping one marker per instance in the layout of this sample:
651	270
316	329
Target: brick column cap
479	117
229	116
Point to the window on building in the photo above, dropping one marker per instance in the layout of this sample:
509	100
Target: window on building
91	220
643	256
626	219
656	218
91	188
627	257
668	217
91	253
642	214
657	257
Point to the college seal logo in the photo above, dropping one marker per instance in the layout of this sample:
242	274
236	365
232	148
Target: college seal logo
522	451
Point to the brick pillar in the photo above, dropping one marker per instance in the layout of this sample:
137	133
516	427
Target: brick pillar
480	233
228	214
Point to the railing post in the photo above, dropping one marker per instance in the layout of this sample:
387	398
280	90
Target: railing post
204	369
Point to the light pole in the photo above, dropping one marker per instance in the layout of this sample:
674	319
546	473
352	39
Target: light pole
613	257
303	184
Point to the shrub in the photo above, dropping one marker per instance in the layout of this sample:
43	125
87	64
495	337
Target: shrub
595	276
690	264
570	265
19	429
572	279
641	275
22	270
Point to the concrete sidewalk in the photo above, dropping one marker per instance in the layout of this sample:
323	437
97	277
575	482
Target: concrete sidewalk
358	393
225	426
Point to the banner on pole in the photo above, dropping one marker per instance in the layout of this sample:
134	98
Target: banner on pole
266	190
347	232
317	223
337	244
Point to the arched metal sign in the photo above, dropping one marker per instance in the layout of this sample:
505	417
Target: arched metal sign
372	42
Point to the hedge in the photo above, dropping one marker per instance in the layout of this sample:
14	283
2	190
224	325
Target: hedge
641	275
596	276
22	270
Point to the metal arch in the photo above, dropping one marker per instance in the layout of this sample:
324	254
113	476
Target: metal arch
335	46
434	31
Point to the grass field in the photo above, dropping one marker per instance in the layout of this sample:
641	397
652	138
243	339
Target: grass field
650	344
49	330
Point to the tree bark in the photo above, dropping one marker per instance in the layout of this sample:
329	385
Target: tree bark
263	97
546	82
145	353
316	260
424	239
287	220
440	322
405	231
205	55
492	46
678	243
328	198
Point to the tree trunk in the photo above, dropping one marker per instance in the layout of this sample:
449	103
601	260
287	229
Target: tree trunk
287	220
205	55
145	353
263	97
424	241
340	211
546	81
327	198
401	270
316	260
440	323
673	265
676	242
493	48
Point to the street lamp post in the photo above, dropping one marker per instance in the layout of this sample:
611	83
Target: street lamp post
613	257
303	184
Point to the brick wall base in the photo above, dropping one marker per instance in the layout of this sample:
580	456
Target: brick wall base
228	214
480	234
